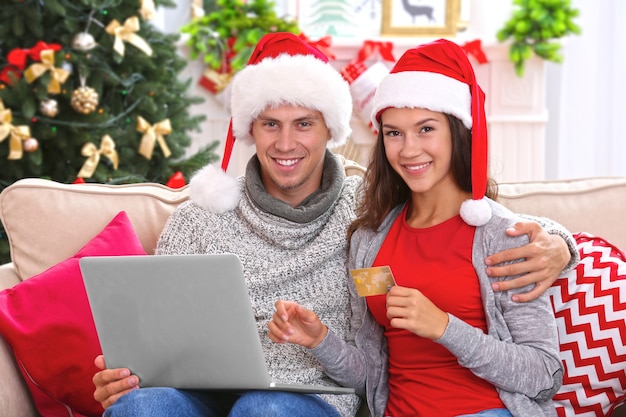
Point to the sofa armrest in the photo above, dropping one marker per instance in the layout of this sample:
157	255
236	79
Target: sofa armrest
15	400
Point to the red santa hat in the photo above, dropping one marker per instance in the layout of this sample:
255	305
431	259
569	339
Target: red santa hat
283	69
438	76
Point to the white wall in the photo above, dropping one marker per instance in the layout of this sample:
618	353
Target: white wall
586	96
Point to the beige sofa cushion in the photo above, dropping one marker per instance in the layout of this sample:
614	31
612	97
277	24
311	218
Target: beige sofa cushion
47	222
593	205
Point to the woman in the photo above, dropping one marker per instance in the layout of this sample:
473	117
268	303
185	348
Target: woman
455	347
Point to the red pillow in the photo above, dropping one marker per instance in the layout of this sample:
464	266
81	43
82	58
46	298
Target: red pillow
47	321
590	307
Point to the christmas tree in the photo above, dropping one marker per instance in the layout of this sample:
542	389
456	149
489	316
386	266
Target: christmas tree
89	91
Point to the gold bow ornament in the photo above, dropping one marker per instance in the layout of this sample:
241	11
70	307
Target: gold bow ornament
152	135
107	148
147	10
16	134
36	70
127	33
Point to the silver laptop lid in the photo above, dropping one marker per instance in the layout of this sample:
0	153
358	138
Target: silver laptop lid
168	317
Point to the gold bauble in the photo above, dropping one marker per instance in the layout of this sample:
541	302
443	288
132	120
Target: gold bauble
84	100
49	107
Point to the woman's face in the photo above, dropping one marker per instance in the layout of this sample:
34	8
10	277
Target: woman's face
418	145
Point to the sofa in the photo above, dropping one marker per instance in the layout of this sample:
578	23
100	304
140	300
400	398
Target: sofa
48	222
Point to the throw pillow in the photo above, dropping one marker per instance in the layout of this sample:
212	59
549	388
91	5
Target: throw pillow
47	321
590	307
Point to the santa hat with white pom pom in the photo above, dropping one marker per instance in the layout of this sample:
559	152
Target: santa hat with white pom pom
283	69
438	76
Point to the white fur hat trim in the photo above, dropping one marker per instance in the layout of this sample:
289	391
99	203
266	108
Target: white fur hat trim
214	190
422	89
301	80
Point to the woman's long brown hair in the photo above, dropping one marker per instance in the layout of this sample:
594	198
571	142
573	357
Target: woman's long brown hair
383	189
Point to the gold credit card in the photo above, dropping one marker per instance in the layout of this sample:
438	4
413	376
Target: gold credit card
373	281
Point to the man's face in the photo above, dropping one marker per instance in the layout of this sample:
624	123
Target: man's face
290	144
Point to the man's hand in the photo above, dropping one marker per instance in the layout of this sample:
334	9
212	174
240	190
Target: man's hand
293	323
111	384
544	258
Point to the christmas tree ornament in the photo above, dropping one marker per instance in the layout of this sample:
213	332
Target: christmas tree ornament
89	150
31	145
147	9
67	66
16	60
34	53
16	134
152	135
83	42
49	107
36	70
84	99
177	180
127	33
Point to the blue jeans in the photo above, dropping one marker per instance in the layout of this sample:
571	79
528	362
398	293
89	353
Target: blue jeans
494	412
170	402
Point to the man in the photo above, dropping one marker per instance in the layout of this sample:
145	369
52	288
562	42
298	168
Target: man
287	221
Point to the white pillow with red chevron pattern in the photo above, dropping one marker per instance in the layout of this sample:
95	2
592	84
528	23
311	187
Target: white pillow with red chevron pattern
590	308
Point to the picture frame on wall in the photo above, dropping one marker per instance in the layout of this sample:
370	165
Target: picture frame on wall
420	17
336	18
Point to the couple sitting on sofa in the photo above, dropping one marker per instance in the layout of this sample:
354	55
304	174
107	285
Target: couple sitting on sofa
44	313
491	335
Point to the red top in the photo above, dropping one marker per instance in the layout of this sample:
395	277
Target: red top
424	377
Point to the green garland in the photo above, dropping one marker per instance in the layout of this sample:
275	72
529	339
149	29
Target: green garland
534	26
229	33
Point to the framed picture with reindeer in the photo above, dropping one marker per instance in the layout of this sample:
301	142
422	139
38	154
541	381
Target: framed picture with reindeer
420	17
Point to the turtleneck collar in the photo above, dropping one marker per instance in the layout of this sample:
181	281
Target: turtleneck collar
308	210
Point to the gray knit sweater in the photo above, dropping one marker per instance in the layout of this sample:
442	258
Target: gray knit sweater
519	355
296	254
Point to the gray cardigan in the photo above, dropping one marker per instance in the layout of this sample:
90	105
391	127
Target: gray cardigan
519	355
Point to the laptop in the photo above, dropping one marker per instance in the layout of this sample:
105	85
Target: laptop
182	321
